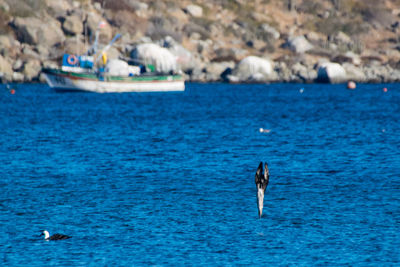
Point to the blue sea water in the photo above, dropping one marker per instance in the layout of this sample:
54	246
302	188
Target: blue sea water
168	178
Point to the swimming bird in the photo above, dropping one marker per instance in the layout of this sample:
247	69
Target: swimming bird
54	237
262	130
261	183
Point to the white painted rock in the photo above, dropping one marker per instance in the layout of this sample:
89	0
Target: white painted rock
253	68
330	72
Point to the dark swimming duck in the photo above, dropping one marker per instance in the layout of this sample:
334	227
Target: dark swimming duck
54	237
261	183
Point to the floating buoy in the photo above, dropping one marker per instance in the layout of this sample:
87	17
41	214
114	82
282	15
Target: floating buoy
301	90
351	85
384	89
12	91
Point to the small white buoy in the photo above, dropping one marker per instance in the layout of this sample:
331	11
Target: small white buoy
301	90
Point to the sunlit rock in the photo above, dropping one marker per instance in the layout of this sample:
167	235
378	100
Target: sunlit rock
194	10
32	70
73	25
298	44
329	72
5	67
252	68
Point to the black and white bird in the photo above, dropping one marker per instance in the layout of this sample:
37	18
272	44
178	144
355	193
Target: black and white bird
54	237
261	183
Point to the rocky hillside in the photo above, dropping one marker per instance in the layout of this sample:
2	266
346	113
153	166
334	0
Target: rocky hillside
212	40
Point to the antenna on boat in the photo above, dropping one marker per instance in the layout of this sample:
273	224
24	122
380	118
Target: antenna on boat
101	25
85	31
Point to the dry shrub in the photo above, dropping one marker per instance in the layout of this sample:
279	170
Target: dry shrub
114	5
26	8
372	12
333	24
310	6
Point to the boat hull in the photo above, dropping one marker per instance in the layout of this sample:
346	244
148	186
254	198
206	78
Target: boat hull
91	82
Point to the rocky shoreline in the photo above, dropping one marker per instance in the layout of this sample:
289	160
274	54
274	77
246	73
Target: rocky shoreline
196	47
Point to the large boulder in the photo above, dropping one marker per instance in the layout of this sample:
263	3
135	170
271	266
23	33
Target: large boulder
252	69
354	73
29	52
59	7
229	54
26	29
43	52
381	74
303	73
95	21
18	77
268	32
17	65
341	38
215	70
137	5
194	10
298	44
74	45
4	6
9	47
5	42
5	45
283	72
73	25
329	72
32	70
151	54
5	68
183	57
315	38
34	31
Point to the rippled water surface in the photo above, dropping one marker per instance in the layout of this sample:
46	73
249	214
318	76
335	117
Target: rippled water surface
168	178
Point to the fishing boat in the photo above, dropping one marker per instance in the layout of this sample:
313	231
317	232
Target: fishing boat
96	74
103	82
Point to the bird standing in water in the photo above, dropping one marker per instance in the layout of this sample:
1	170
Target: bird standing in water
261	183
